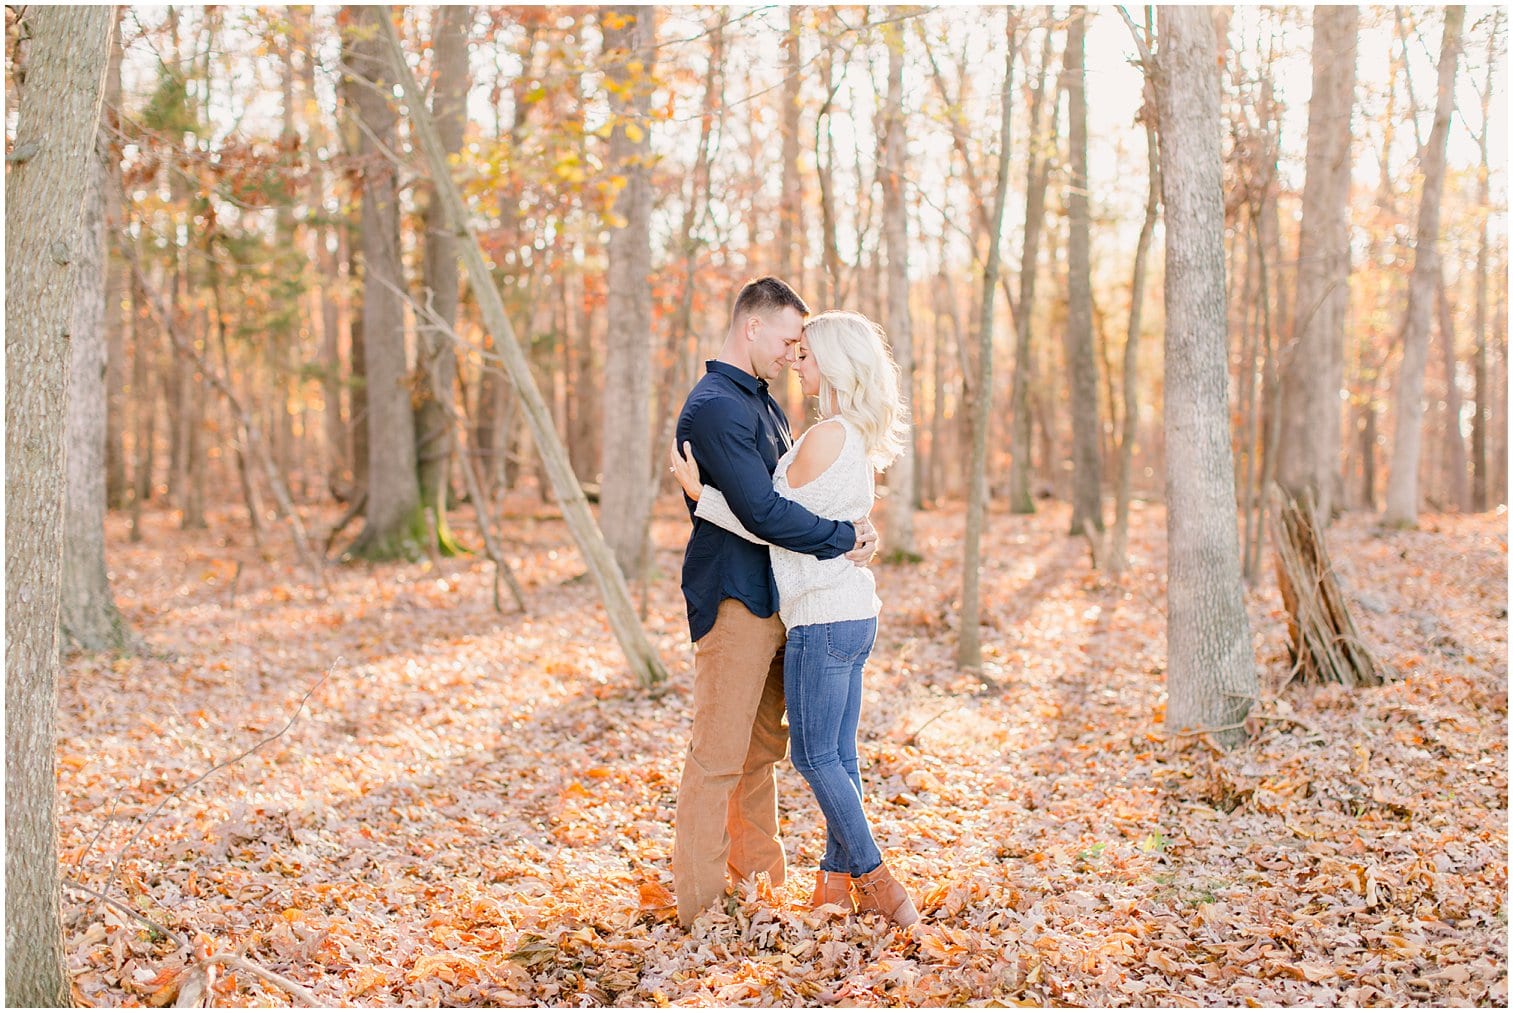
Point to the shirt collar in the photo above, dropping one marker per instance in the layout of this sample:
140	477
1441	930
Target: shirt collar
747	382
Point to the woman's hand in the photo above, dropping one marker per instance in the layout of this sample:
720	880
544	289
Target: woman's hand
685	470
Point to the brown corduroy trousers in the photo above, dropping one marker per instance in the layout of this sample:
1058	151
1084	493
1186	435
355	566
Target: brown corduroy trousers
727	803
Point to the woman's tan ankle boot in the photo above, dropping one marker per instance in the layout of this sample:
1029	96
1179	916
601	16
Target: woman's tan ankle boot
832	888
877	891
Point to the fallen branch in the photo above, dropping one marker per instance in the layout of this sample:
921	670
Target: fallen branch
147	820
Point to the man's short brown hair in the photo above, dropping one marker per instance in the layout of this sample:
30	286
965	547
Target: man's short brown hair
765	295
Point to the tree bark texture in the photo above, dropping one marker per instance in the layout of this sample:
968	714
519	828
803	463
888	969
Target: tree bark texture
117	487
57	121
1408	423
88	611
1042	143
1211	675
969	643
437	360
624	513
1309	445
394	525
1087	481
894	142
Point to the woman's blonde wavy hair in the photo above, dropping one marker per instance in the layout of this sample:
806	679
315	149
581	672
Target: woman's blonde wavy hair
859	381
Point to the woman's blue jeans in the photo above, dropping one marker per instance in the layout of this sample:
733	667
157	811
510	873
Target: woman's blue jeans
822	679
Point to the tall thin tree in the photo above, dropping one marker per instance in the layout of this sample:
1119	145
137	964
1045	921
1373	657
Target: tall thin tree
1118	556
436	365
629	47
1210	667
1082	367
969	642
894	143
1408	424
1309	443
49	169
394	525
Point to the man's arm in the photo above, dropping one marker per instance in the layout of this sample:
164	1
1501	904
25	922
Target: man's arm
725	447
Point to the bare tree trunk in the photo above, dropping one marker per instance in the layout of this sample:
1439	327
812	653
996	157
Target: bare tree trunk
394	525
1309	443
1211	675
1402	482
351	251
328	293
48	173
1087	481
625	513
1042	141
969	644
824	158
1480	501
437	361
1458	491
894	141
145	403
89	616
618	607
1118	556
790	209
117	487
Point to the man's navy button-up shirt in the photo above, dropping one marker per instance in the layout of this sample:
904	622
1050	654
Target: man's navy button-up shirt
738	433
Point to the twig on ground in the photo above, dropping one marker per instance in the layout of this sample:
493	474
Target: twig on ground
147	820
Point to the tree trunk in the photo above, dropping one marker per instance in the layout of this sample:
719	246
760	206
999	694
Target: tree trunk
394	525
350	243
894	141
1457	492
437	361
1087	481
1118	557
1483	416
601	562
790	210
969	645
1402	482
1309	444
1021	500
88	610
65	55
144	395
117	487
328	293
1211	674
624	511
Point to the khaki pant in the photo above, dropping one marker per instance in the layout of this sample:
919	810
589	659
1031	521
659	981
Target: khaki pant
727	803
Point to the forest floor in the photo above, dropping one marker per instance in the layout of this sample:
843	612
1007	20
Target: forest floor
475	808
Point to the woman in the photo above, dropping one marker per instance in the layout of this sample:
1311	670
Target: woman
830	606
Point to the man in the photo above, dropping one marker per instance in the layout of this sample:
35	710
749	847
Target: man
727	802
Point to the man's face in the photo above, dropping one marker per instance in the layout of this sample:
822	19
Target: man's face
774	341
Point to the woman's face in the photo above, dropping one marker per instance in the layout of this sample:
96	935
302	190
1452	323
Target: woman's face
808	369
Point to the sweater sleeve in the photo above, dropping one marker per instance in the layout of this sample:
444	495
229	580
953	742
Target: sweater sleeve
714	509
725	447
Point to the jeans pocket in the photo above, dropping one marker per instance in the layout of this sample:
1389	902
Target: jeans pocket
848	641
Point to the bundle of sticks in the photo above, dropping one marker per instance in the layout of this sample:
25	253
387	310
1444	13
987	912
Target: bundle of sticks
1325	644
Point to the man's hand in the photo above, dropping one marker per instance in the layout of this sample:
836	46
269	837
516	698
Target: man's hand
866	542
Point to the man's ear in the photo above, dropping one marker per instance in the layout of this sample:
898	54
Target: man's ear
752	323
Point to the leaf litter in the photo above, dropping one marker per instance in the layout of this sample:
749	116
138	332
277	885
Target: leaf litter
476	808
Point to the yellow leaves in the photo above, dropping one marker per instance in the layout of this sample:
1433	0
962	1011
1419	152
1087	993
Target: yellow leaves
634	133
451	967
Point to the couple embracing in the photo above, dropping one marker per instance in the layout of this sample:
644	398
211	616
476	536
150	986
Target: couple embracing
781	605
